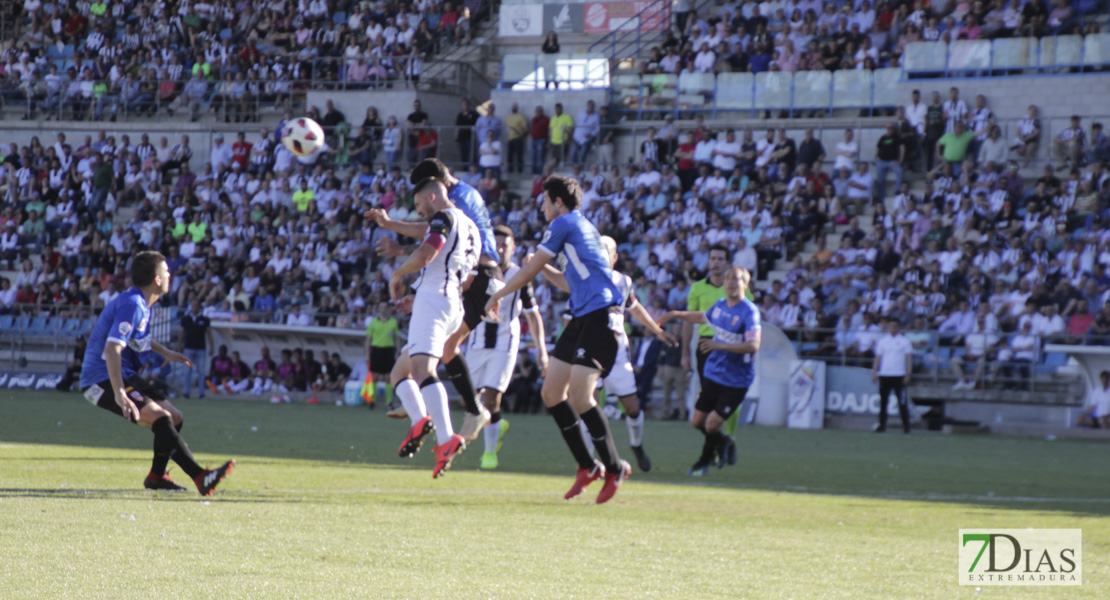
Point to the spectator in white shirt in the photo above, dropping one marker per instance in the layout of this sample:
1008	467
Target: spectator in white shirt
1020	353
1097	407
977	349
915	112
846	152
859	187
297	318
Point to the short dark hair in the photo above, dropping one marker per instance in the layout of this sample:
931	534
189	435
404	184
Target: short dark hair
564	188
427	182
503	230
143	267
719	248
429	167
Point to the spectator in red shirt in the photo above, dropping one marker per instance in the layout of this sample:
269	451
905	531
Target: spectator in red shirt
241	150
1080	322
540	124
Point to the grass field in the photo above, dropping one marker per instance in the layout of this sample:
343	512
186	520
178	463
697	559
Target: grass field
320	506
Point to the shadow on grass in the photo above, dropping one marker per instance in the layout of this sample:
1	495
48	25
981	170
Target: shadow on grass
980	471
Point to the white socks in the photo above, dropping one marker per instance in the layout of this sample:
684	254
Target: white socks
636	429
435	398
492	434
409	393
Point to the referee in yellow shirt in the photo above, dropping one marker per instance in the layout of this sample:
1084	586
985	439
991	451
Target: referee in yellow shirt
382	345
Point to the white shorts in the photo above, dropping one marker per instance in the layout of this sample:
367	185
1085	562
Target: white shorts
621	381
434	319
490	368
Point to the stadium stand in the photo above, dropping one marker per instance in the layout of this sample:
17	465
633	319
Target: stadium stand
1006	226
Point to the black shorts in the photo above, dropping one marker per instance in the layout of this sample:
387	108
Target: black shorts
382	359
701	357
590	340
721	399
477	295
140	392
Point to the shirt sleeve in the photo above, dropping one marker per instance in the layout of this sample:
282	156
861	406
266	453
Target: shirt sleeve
438	229
124	326
555	237
754	328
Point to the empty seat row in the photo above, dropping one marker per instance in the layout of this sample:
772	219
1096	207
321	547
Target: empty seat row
1009	53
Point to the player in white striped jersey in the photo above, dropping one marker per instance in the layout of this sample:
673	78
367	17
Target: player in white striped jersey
445	258
492	347
621	381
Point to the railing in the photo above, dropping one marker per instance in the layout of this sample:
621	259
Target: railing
529	72
645	27
1022	56
793	93
933	360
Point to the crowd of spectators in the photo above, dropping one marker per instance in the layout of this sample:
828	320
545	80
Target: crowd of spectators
809	35
97	60
977	251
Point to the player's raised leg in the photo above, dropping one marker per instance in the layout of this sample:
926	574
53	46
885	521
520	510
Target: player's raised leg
408	391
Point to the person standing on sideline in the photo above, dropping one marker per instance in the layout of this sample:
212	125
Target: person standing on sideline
382	346
539	140
892	368
518	131
464	132
195	342
560	127
1096	413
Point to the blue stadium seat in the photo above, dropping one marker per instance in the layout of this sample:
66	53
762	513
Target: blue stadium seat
6	322
87	326
339	18
71	327
1055	359
39	326
225	33
22	323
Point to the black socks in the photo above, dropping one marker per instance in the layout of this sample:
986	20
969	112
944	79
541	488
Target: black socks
714	443
458	372
161	459
567	420
167	441
598	427
494	417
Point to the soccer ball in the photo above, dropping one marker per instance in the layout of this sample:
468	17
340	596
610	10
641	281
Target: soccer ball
302	136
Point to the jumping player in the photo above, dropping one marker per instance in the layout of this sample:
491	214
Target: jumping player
492	348
729	366
588	345
119	341
445	257
475	291
621	381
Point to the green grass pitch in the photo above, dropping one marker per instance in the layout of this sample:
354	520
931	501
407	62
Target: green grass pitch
319	506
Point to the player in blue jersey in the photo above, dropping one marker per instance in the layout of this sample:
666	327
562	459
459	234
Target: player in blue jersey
476	291
588	345
730	366
119	340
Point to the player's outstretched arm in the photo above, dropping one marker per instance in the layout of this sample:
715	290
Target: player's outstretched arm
749	347
526	274
171	355
535	325
412	229
641	314
694	317
423	256
556	277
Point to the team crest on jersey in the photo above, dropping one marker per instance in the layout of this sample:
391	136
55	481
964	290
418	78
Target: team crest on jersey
546	236
124	328
142	326
735	320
